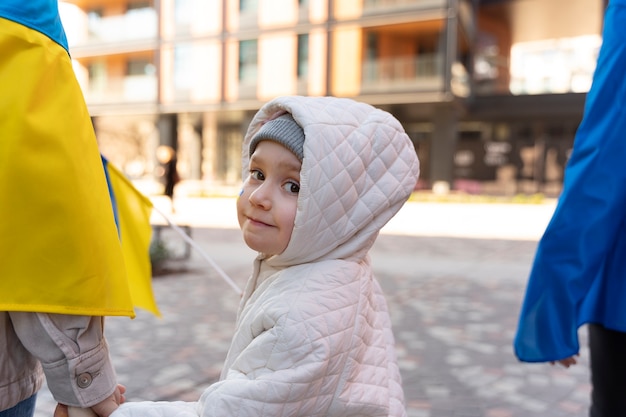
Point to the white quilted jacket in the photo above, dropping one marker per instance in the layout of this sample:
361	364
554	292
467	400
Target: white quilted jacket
313	334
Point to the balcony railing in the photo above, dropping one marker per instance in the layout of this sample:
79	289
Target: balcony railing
378	5
135	24
424	72
136	89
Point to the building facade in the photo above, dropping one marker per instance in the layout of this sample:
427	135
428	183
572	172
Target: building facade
490	91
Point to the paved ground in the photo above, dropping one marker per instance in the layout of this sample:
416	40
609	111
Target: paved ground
454	276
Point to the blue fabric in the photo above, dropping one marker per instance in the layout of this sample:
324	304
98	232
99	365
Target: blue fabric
25	408
40	15
579	272
105	163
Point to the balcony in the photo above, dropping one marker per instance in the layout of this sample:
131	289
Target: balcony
403	74
378	6
134	25
129	89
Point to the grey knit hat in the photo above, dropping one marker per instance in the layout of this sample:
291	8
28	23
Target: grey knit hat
283	130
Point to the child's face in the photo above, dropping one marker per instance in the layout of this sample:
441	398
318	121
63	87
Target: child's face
266	209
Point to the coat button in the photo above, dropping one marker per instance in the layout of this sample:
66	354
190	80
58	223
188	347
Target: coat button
84	380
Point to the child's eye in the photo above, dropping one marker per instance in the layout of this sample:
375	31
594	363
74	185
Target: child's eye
292	187
257	175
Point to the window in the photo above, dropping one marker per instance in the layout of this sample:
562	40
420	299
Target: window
248	60
248	6
94	22
303	56
139	67
139	4
183	67
98	80
94	14
183	15
97	72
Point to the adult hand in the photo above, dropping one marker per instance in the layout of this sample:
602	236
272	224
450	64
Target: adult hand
567	362
102	409
106	407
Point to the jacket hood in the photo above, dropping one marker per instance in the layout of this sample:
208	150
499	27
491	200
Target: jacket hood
359	168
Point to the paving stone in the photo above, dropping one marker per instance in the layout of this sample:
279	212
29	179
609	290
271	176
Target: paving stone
454	299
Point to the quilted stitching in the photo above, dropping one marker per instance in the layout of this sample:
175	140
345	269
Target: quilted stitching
315	339
359	168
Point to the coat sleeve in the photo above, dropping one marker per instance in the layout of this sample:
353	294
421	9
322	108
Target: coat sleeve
73	352
286	369
281	365
567	284
157	409
279	374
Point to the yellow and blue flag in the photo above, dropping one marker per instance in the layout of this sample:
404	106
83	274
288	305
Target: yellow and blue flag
132	211
60	251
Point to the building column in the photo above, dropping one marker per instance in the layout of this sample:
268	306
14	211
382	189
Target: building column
167	128
167	125
166	132
209	146
444	138
190	146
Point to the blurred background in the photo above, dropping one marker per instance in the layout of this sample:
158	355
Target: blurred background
490	91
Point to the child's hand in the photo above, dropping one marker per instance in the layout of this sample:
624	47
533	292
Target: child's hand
567	362
80	412
102	409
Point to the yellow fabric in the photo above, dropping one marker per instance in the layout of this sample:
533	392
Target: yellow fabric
59	247
134	211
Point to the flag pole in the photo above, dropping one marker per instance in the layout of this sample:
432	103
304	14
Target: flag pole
206	257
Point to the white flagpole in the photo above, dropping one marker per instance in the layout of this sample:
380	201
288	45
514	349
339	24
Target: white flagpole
187	239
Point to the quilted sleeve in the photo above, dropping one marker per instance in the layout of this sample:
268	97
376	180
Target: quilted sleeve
291	351
156	409
285	371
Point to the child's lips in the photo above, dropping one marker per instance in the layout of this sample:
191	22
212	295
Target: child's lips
257	222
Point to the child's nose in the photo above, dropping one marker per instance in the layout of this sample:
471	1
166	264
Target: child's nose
261	196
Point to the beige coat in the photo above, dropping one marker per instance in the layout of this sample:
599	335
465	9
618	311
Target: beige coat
70	350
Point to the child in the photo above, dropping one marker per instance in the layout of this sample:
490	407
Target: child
313	336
